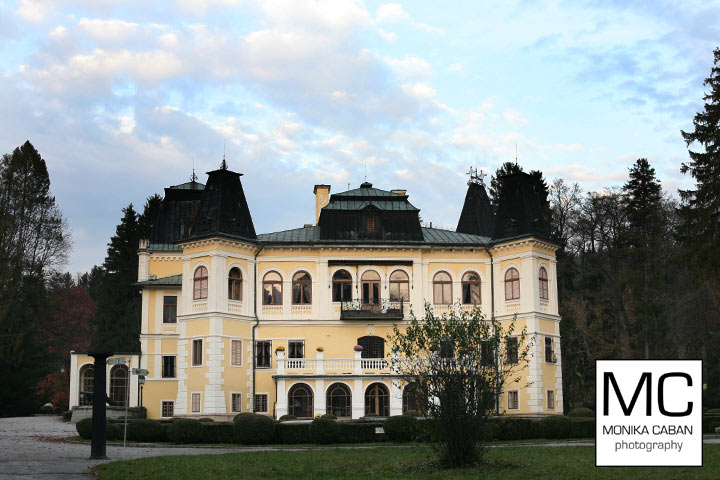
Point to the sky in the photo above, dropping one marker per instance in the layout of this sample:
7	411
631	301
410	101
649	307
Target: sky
121	98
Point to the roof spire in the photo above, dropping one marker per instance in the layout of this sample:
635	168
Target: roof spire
223	165
516	153
193	177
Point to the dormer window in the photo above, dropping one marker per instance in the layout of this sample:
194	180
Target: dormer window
371	224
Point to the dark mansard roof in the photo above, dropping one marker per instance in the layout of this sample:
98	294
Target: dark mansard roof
192	210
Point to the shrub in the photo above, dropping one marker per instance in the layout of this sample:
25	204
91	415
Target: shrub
286	417
400	428
582	428
330	416
712	411
217	432
113	431
84	428
359	432
412	413
205	419
512	428
251	429
581	412
556	426
144	430
370	416
291	433
67	415
710	422
427	430
324	430
185	430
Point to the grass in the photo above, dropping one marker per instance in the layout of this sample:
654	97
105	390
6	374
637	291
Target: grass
379	463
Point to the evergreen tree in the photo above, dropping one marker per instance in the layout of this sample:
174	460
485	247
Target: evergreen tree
700	213
118	304
33	240
496	181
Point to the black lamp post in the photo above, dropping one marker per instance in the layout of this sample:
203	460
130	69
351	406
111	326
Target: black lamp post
98	447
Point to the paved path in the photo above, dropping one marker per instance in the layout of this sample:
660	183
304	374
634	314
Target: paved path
34	448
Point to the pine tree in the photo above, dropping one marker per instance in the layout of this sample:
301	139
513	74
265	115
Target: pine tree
118	305
496	181
700	213
33	240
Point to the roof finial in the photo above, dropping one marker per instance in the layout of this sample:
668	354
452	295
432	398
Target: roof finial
193	177
366	171
475	177
516	153
223	165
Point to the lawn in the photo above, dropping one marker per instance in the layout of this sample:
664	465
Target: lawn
395	463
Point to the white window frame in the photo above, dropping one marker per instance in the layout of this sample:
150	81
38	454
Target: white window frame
239	402
192	352
548	394
162	409
517	406
192	395
232	357
267	402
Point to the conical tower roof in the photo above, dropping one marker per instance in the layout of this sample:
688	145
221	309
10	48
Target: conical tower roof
223	208
519	211
476	217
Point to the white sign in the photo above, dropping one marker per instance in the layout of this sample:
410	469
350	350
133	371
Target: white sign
116	361
139	371
649	413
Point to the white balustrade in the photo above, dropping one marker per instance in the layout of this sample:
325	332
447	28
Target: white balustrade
272	310
199	306
301	310
442	309
235	307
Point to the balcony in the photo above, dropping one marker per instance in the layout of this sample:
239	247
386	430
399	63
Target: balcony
385	310
342	366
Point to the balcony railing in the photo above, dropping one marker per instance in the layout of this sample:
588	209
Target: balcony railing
385	310
343	366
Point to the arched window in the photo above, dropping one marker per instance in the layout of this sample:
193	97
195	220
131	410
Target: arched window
339	400
87	383
543	284
410	397
512	284
272	289
200	283
471	288
342	286
399	286
373	347
442	289
377	400
235	284
300	401
370	288
302	289
119	385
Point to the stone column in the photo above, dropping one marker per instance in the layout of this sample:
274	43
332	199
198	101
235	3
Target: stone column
358	399
319	403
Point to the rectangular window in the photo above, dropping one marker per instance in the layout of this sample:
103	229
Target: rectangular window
235	402
262	354
296	349
511	351
197	353
195	402
170	309
168	366
261	403
168	409
236	353
371	224
551	399
513	400
549	354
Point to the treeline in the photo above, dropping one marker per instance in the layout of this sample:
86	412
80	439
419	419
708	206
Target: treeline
44	313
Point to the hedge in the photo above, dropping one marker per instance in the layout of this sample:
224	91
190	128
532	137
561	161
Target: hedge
284	417
582	428
252	429
291	433
324	430
710	423
360	432
144	430
400	428
581	412
185	430
218	432
84	429
67	415
555	427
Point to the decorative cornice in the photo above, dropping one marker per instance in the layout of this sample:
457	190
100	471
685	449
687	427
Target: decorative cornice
526	242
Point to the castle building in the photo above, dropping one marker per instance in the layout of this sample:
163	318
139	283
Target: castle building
234	321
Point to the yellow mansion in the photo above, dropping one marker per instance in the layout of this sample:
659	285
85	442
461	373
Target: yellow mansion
234	321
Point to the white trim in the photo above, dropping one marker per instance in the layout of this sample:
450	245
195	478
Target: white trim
240	401
161	408
199	412
267	394
192	352
508	399
242	356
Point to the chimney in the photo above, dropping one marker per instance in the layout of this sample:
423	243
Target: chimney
399	191
322	198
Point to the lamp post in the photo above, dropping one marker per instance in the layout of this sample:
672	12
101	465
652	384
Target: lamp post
98	447
141	382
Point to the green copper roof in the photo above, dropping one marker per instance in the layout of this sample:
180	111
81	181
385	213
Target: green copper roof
174	281
431	236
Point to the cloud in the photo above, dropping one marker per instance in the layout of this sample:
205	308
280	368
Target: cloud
395	13
410	67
